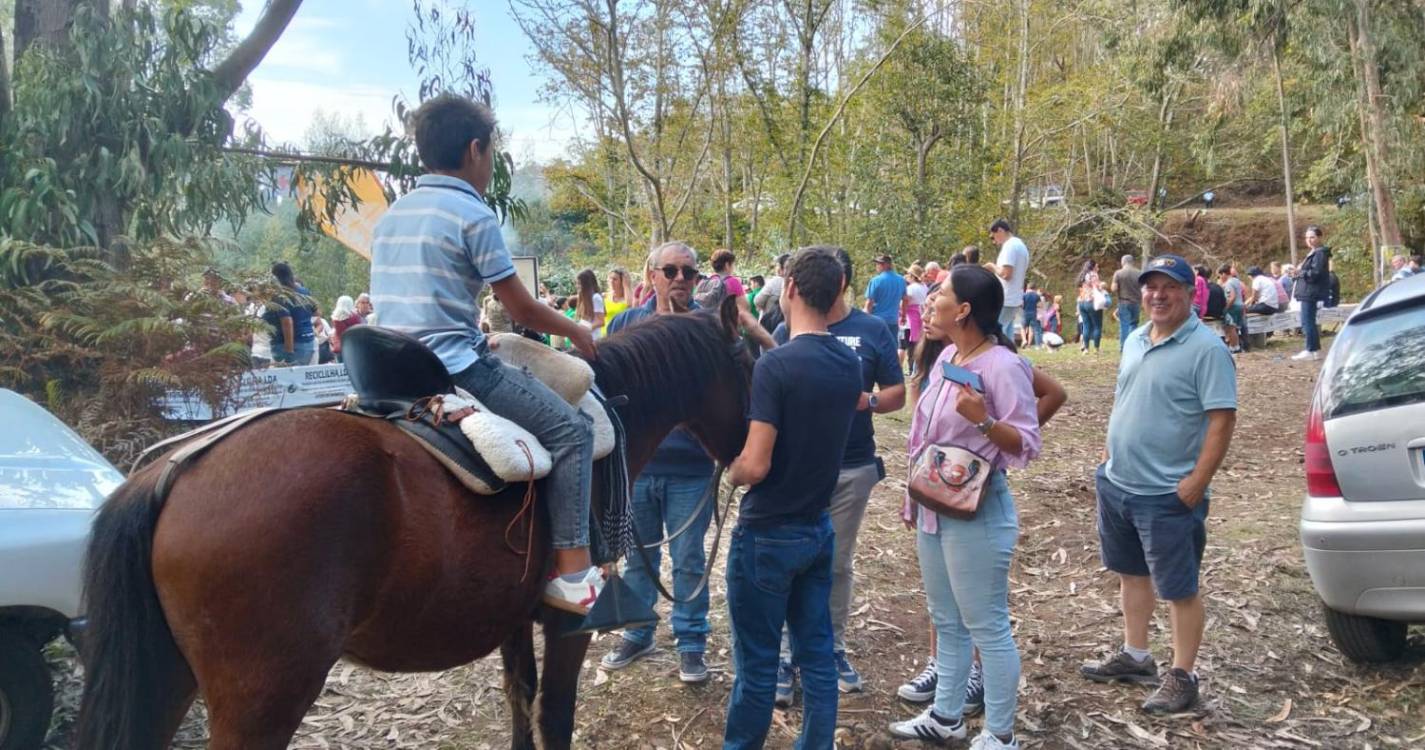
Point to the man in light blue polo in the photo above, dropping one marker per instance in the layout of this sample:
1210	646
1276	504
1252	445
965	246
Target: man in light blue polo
1173	414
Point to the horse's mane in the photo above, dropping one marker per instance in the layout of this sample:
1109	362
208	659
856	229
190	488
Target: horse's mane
663	362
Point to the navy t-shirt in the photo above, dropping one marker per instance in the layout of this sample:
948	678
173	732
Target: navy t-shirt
876	347
1031	304
807	389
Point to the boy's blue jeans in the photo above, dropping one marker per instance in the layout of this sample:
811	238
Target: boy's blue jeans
775	575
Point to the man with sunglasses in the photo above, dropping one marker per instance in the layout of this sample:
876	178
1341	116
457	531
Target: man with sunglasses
667	493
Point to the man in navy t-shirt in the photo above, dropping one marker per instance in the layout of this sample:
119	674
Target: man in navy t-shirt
804	398
861	469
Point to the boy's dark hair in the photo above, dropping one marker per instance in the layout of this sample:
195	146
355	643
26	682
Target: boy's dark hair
283	273
782	262
1033	285
957	259
818	275
1000	224
972	254
444	127
758	280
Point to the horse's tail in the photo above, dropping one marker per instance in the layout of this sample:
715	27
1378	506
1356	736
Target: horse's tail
130	657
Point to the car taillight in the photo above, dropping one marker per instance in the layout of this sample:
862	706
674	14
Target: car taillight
1320	475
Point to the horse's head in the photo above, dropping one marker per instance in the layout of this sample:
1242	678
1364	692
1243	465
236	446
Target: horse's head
691	370
720	420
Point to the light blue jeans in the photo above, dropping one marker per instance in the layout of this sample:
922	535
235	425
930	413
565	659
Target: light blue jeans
661	505
564	431
965	570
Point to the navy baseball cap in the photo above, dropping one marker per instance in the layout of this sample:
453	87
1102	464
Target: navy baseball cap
1170	265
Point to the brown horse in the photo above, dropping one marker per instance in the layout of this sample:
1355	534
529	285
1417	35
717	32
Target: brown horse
314	535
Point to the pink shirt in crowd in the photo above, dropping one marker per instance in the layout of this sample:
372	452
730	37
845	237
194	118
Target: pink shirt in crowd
733	285
1199	296
1009	398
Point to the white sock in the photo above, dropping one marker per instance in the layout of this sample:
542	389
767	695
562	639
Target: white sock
1137	653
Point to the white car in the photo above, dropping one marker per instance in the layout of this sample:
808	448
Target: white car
51	483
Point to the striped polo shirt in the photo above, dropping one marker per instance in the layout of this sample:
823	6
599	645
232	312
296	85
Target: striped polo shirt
433	253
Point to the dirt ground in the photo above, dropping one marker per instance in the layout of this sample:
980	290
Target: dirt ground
1270	676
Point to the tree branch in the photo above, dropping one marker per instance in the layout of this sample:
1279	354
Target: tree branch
239	64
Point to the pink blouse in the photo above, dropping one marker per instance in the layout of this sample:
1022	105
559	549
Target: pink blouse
1009	398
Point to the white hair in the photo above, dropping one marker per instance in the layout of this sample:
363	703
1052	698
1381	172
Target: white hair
345	308
657	252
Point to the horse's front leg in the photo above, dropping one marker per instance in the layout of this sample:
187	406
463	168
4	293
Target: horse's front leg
559	684
521	678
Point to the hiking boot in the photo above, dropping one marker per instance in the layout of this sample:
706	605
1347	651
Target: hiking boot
847	678
975	691
626	653
1120	667
786	681
692	668
927	726
1178	693
574	596
986	741
922	688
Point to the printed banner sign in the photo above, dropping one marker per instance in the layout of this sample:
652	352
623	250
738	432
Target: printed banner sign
276	386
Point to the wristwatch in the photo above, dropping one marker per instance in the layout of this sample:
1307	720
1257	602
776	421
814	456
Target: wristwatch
872	402
985	426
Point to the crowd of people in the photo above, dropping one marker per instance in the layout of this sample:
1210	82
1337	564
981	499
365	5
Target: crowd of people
810	461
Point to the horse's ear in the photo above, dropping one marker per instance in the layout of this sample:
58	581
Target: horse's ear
727	313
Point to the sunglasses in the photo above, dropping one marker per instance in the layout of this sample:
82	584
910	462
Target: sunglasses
670	272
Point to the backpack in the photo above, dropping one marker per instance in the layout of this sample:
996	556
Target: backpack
1216	301
710	292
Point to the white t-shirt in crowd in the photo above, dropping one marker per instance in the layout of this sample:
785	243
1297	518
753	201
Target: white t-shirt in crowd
598	304
1014	253
262	337
1266	290
772	291
917	293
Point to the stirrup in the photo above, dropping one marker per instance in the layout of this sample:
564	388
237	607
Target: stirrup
617	607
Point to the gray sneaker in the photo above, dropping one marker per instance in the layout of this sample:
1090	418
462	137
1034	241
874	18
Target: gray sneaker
1120	667
1178	693
692	667
626	653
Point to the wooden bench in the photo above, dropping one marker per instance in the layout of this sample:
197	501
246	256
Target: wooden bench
1258	326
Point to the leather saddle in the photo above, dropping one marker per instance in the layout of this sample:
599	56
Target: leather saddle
393	375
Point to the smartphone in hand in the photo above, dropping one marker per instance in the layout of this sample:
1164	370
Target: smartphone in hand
957	374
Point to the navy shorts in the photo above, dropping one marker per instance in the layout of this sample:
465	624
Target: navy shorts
1151	535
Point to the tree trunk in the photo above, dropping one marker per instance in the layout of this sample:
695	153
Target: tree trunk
1372	169
1375	138
1020	95
1165	123
1286	153
239	64
43	21
4	81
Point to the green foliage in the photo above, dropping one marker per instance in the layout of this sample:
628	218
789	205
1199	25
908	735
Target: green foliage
101	346
120	133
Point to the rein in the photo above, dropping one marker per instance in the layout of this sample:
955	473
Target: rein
720	514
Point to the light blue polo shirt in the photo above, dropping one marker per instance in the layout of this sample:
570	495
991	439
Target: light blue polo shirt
1164	392
433	252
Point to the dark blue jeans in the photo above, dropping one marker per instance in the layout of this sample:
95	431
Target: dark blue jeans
1308	325
661	505
775	575
1127	321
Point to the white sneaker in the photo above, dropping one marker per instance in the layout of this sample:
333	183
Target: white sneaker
1306	356
574	596
987	741
928	726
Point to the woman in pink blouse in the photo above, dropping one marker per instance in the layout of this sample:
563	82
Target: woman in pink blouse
965	563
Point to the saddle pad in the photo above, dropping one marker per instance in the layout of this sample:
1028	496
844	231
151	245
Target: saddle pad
603	428
565	374
508	449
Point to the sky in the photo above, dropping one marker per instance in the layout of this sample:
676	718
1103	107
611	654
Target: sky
348	57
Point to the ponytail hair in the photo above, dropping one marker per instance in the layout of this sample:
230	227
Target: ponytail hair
985	295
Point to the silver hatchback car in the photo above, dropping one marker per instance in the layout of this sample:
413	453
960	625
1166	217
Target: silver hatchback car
1363	520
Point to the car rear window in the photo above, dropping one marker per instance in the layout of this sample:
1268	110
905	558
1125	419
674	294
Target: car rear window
1378	363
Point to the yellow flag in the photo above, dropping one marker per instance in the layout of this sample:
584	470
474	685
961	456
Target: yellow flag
353	227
